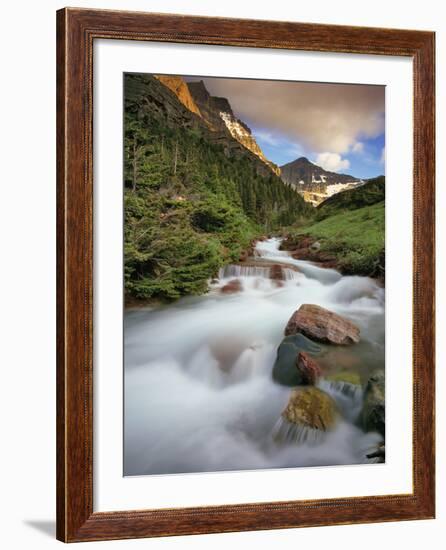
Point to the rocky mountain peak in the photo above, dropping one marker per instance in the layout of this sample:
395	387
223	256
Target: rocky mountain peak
177	85
218	113
222	105
313	182
199	91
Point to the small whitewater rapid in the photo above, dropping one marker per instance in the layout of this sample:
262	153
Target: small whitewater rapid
199	395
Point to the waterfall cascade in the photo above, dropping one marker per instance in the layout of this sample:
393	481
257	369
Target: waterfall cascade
199	395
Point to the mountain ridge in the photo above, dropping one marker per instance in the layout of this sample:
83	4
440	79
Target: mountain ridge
314	183
218	113
206	109
177	85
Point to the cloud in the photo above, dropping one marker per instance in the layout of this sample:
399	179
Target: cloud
358	147
320	117
332	162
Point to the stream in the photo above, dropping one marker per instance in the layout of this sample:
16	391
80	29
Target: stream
199	395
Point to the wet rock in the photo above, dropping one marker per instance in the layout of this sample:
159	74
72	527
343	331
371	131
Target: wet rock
224	354
232	286
276	272
285	371
347	384
327	261
305	248
346	376
373	415
311	407
322	325
302	254
308	368
378	456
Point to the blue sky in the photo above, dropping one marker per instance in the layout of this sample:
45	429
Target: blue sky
365	161
340	127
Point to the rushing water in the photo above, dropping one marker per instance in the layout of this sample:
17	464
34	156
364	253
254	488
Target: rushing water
199	395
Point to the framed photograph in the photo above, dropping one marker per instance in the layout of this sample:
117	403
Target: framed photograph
245	275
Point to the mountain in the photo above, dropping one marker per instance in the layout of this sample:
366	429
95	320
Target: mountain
195	198
218	113
177	85
313	182
371	192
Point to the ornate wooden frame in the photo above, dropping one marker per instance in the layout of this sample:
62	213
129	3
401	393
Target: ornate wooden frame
76	31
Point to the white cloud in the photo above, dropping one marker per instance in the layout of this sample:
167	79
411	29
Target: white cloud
321	117
358	147
332	162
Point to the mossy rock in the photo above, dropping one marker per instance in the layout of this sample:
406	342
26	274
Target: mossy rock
311	407
350	377
374	408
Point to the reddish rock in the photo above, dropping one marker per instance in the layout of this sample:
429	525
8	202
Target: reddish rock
308	249
308	368
306	242
233	286
276	272
322	325
302	254
243	256
328	264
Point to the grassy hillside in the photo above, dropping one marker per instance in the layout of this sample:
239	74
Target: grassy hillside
190	207
370	193
354	237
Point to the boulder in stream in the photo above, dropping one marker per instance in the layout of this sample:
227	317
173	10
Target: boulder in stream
285	370
276	272
373	415
377	456
311	407
346	383
322	325
345	376
308	368
234	285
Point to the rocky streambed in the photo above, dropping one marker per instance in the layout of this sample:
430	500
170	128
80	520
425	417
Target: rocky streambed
311	411
280	364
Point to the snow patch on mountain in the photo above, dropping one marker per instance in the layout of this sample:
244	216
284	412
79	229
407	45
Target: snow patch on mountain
243	135
334	188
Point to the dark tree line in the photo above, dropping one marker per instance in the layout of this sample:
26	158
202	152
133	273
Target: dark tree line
189	209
